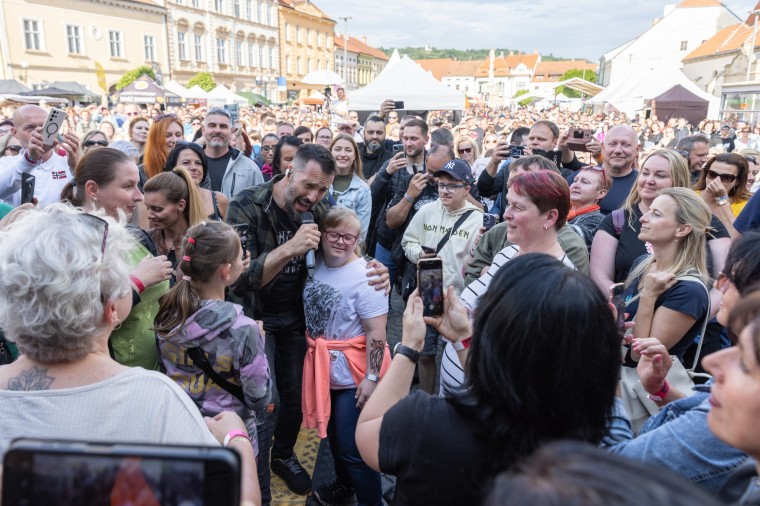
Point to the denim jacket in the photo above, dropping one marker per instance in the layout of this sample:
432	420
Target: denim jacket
358	198
679	439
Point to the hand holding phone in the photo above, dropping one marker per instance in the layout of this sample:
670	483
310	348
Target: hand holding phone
27	187
617	298
398	104
52	126
430	285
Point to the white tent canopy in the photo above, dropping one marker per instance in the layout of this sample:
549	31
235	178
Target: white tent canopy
197	92
647	81
407	81
222	95
176	88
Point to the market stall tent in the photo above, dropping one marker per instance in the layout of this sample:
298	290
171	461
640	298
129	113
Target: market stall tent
405	80
679	102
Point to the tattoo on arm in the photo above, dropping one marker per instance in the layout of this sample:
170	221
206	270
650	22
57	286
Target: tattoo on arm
376	356
32	379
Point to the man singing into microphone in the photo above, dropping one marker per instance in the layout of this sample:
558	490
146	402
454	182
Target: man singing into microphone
271	290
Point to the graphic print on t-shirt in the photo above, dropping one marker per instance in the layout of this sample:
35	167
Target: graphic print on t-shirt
323	300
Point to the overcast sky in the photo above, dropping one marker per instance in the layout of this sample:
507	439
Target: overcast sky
570	29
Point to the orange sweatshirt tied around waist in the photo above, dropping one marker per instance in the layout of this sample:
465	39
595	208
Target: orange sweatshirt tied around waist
315	397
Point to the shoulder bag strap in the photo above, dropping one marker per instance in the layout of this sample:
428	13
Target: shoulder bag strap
199	358
706	319
453	229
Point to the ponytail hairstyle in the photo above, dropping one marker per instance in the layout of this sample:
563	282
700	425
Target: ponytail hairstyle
97	165
205	247
178	185
155	156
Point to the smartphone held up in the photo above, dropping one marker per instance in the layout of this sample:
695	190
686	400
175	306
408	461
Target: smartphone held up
430	285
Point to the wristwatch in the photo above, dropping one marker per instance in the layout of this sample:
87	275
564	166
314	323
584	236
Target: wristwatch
406	351
372	377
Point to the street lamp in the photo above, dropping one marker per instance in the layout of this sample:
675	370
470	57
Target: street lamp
345	49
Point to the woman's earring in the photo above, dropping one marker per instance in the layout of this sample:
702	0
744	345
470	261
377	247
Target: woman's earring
118	324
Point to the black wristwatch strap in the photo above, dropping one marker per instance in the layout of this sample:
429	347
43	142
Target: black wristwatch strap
408	352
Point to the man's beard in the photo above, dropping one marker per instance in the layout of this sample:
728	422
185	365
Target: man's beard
290	200
217	142
373	146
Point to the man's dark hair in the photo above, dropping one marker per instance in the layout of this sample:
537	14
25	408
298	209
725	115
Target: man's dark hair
687	143
570	473
442	136
415	122
520	361
302	130
6	122
374	119
435	148
548	124
288	140
518	134
314	153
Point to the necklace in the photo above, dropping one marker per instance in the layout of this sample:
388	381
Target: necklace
159	237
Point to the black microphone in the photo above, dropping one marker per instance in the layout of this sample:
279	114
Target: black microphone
306	219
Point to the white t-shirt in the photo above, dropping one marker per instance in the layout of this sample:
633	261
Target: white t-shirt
452	373
136	406
335	302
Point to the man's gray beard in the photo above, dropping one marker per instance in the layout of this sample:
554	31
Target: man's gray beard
289	209
374	146
217	143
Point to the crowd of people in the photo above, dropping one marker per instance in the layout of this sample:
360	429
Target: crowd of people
244	268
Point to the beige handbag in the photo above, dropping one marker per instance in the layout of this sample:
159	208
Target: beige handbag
636	400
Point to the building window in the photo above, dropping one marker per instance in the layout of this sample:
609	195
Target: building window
249	9
299	34
308	36
33	35
149	41
74	38
251	55
309	65
287	32
197	4
262	11
269	15
221	50
239	53
287	65
219	5
271	57
684	45
299	67
115	40
198	47
237	8
261	55
181	47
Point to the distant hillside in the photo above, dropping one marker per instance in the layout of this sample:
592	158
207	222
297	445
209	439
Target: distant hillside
421	53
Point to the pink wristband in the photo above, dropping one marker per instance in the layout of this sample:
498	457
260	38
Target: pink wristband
660	395
232	435
138	284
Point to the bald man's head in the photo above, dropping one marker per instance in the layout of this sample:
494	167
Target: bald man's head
25	120
620	149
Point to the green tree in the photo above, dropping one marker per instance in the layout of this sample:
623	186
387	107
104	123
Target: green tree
527	101
134	75
202	79
588	75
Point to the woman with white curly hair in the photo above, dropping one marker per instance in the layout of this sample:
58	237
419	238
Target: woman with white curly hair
64	287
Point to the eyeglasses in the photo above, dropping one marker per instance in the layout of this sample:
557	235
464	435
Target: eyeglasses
98	223
724	178
465	150
324	137
449	187
89	144
267	148
490	141
347	238
14	148
196	123
744	131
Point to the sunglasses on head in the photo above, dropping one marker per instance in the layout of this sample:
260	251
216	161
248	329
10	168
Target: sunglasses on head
162	116
89	144
725	178
99	223
14	148
750	158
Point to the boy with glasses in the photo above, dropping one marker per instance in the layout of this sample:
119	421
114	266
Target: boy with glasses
452	211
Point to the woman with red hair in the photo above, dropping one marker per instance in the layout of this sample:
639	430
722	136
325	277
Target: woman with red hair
162	137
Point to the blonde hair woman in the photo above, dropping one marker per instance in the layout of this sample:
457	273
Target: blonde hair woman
665	303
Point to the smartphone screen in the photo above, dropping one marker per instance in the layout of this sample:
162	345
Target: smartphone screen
27	187
618	300
84	473
242	232
430	284
489	220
